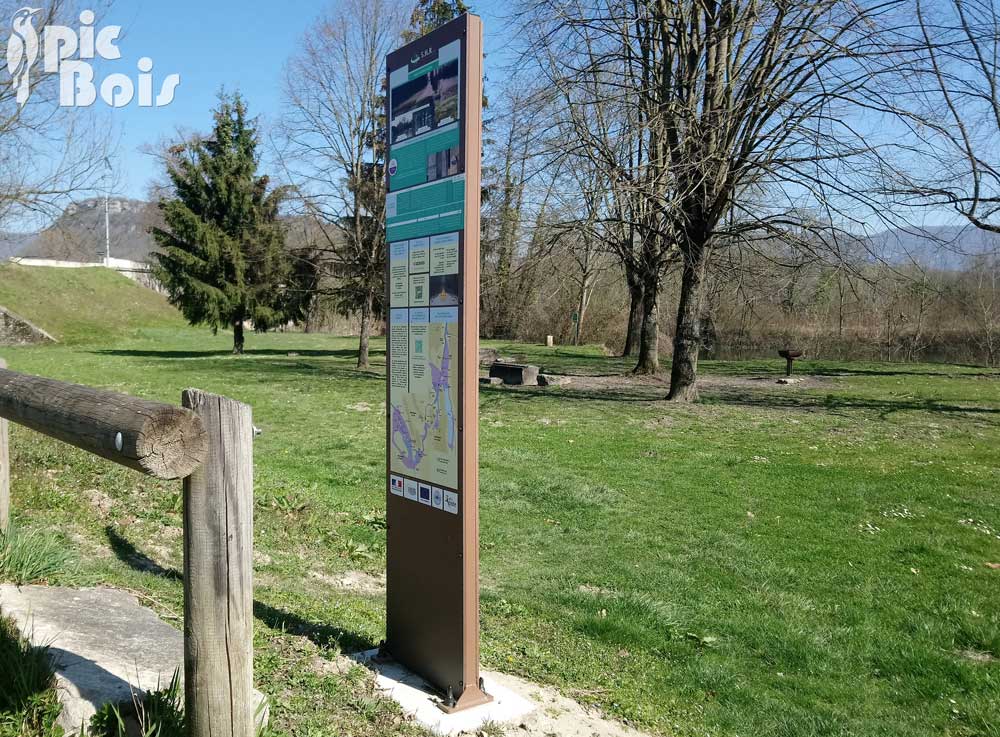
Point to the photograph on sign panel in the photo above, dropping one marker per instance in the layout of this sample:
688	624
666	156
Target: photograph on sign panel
420	105
445	290
442	164
444	80
412	108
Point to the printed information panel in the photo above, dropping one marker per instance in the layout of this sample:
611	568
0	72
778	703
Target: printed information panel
434	109
424	295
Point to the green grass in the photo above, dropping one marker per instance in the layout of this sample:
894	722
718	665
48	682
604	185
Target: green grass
798	560
30	556
156	714
82	305
28	703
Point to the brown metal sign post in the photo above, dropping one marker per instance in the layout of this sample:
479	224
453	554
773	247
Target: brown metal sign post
434	132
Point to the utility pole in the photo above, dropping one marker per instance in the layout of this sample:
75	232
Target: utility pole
107	216
107	230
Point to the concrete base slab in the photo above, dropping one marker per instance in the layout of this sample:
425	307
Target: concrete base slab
559	716
105	646
420	701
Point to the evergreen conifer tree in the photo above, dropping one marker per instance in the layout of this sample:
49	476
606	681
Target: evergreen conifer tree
431	14
222	251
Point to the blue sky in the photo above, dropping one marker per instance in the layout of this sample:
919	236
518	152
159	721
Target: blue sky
236	44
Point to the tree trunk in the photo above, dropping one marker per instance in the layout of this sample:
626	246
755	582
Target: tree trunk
238	340
581	307
687	338
634	311
366	329
649	361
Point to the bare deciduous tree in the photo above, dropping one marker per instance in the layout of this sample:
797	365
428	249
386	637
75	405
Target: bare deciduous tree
749	116
48	154
331	138
955	91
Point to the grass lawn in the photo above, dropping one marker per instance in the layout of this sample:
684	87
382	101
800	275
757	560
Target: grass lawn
81	306
777	560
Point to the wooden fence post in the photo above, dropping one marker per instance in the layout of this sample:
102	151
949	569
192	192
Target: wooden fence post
4	470
218	570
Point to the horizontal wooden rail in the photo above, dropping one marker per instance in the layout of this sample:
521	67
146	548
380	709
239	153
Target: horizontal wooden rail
4	471
209	444
157	439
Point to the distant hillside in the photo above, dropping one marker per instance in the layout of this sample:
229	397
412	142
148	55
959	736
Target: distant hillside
83	305
942	247
12	244
79	233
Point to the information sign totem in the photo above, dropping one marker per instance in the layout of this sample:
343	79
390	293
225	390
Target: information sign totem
434	132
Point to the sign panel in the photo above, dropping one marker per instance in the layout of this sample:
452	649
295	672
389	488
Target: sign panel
434	132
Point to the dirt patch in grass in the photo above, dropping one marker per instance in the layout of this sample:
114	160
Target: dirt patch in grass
555	715
358	582
660	383
769	382
978	656
101	502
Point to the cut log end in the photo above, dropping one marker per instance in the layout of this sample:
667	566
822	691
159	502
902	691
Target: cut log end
172	444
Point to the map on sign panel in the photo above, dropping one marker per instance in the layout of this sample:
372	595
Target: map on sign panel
423	359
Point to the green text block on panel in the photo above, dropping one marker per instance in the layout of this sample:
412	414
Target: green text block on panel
438	207
411	157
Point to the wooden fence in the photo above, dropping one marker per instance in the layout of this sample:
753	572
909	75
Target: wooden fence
208	442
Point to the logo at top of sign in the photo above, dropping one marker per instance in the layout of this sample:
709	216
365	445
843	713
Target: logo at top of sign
393	167
421	55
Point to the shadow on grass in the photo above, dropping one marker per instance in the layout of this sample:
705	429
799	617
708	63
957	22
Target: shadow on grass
127	553
751	367
833	403
273	352
966	372
266	368
812	402
490	394
27	684
323	635
571	364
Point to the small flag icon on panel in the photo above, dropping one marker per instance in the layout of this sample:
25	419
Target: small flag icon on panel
425	494
396	485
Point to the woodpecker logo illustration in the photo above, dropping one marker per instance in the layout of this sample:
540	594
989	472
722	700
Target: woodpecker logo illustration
65	54
22	52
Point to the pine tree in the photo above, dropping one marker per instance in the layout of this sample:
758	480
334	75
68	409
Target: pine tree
222	253
431	14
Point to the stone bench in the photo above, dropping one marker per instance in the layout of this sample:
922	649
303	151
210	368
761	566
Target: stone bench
515	374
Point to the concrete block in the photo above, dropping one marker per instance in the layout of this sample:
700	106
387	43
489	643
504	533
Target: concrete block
418	699
515	374
551	380
103	644
16	330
